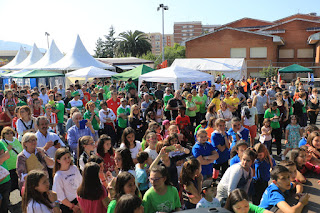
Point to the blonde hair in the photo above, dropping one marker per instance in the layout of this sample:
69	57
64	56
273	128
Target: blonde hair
26	137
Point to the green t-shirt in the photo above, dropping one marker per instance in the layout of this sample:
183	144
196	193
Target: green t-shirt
112	206
255	209
270	114
123	123
203	105
97	103
94	122
60	114
21	103
166	98
12	161
128	86
161	203
121	89
197	99
190	105
106	89
4	165
143	144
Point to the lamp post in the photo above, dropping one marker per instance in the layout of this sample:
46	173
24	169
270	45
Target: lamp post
47	34
161	6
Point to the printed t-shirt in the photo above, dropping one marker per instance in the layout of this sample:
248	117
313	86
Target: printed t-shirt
123	123
113	105
270	114
183	121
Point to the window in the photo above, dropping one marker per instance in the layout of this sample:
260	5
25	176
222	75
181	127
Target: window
157	46
184	34
238	53
185	26
157	37
305	53
286	53
191	34
190	26
258	52
158	42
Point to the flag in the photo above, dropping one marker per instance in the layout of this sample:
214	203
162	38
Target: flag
164	64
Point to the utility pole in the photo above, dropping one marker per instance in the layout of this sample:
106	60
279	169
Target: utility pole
161	6
47	34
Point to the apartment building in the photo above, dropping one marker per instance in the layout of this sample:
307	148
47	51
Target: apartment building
156	42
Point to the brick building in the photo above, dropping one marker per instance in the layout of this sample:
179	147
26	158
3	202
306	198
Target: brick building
293	39
156	42
185	30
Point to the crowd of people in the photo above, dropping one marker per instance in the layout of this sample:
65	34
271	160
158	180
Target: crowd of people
107	146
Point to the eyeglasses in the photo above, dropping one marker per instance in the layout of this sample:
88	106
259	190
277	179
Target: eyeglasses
8	133
91	144
10	105
249	102
155	179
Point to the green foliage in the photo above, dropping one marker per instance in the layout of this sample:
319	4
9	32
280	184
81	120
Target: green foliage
152	57
269	72
171	53
98	52
105	48
133	43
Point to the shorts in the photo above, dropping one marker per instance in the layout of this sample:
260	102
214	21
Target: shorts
252	130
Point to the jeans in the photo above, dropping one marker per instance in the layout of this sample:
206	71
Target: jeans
277	134
5	192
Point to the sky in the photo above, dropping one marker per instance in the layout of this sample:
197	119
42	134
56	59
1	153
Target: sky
26	21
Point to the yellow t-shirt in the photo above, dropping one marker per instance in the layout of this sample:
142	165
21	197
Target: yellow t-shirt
235	102
216	101
229	101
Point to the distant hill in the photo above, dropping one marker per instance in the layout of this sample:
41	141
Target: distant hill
11	45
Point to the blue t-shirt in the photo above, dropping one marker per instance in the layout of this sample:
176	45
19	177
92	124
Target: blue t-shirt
234	160
262	170
244	135
142	178
218	139
302	142
272	196
205	150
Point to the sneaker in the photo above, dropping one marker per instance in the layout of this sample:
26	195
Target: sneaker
283	157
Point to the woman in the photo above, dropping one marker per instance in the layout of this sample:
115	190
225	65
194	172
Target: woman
313	106
8	140
225	114
69	121
25	123
91	115
284	110
229	100
211	112
136	122
107	121
274	114
161	197
216	99
191	109
159	111
32	158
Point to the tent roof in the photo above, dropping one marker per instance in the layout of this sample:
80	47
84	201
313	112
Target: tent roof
21	56
90	72
34	56
211	64
134	74
78	58
36	74
52	55
294	68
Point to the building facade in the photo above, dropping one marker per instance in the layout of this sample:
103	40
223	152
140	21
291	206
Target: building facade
156	42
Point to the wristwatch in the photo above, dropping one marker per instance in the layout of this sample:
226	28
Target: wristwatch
56	204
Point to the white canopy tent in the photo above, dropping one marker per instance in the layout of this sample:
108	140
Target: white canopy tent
231	67
52	55
78	58
34	56
175	75
87	73
21	56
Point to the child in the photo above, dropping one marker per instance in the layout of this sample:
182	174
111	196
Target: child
51	100
129	142
52	117
237	132
125	184
291	166
182	120
106	151
293	135
37	197
67	179
86	146
314	144
219	141
308	130
263	165
141	173
209	192
310	158
205	153
8	96
276	192
123	161
238	202
237	151
202	125
300	109
105	176
265	137
129	204
151	139
237	176
191	181
166	125
91	195
37	110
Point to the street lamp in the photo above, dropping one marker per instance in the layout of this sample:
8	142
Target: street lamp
161	6
47	34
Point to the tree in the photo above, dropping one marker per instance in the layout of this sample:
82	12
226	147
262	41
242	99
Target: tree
98	52
171	53
133	43
110	43
269	72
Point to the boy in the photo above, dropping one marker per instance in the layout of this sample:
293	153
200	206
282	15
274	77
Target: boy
141	173
122	113
291	166
182	120
205	153
59	110
209	192
278	189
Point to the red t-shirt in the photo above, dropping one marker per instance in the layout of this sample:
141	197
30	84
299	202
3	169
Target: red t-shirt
182	122
113	105
109	164
5	118
93	206
86	95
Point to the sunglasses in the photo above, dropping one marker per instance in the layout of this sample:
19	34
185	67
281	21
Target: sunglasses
10	105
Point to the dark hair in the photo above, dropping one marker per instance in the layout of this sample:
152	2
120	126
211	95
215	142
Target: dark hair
294	155
276	170
128	204
251	153
100	96
235	196
188	170
287	163
100	147
58	155
90	188
142	157
171	137
163	172
234	150
32	181
84	140
293	116
127	162
96	159
312	136
216	94
122	179
125	133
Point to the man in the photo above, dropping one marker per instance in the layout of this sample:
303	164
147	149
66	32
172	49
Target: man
106	87
159	92
5	119
244	85
174	103
67	98
261	102
43	96
62	91
145	104
75	102
198	101
59	110
76	131
203	99
95	100
249	119
114	102
122	114
187	87
271	92
46	139
130	84
167	96
218	85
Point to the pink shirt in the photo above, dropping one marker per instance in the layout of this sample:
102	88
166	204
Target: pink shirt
93	206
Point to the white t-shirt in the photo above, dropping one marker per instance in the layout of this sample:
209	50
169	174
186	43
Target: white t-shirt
225	115
66	183
35	207
253	112
134	151
203	203
152	153
217	86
